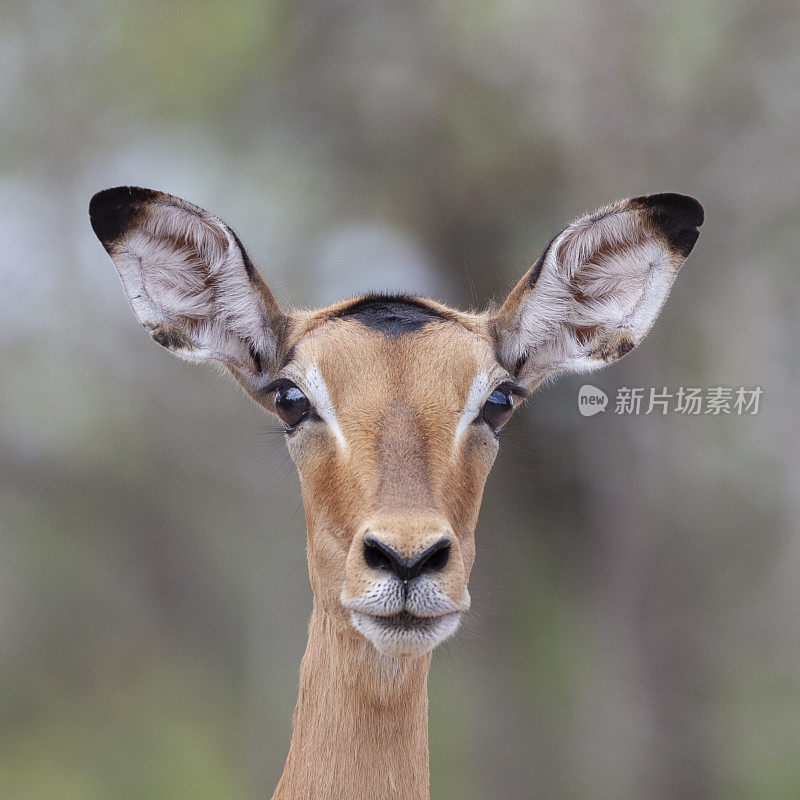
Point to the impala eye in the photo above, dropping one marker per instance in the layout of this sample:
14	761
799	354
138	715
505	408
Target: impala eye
291	405
498	409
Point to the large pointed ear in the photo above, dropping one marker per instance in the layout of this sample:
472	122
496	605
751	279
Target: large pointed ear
190	282
597	289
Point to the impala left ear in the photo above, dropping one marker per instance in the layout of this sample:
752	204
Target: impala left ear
598	287
190	282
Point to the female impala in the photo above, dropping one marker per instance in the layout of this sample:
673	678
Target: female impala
392	407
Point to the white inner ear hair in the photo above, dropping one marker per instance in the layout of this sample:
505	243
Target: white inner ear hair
186	271
606	271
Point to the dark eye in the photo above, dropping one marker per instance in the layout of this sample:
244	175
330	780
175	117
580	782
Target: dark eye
291	405
498	409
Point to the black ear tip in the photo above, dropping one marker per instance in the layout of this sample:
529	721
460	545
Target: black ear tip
682	206
678	215
112	211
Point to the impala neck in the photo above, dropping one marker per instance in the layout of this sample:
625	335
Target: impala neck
361	721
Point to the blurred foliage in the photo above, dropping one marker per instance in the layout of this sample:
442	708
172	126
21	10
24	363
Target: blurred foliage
634	631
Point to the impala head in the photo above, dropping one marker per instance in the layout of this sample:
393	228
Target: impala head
393	405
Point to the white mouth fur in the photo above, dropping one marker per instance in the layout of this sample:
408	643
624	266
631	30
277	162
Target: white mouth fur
404	635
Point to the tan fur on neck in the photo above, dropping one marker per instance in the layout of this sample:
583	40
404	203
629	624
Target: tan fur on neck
361	722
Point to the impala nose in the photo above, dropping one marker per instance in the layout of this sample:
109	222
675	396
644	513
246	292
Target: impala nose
381	556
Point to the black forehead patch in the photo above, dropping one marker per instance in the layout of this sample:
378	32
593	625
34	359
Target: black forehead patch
392	315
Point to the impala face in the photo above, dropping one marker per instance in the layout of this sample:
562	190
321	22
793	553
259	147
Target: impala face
392	405
393	457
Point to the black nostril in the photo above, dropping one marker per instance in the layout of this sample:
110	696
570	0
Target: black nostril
380	556
435	558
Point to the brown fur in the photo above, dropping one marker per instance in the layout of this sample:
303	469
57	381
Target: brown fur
360	727
399	450
361	722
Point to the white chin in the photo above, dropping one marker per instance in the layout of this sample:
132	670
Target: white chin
394	638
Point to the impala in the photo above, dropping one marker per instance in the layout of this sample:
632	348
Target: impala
392	407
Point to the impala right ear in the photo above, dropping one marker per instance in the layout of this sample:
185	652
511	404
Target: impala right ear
598	287
190	282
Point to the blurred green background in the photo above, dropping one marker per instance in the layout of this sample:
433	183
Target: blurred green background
635	631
